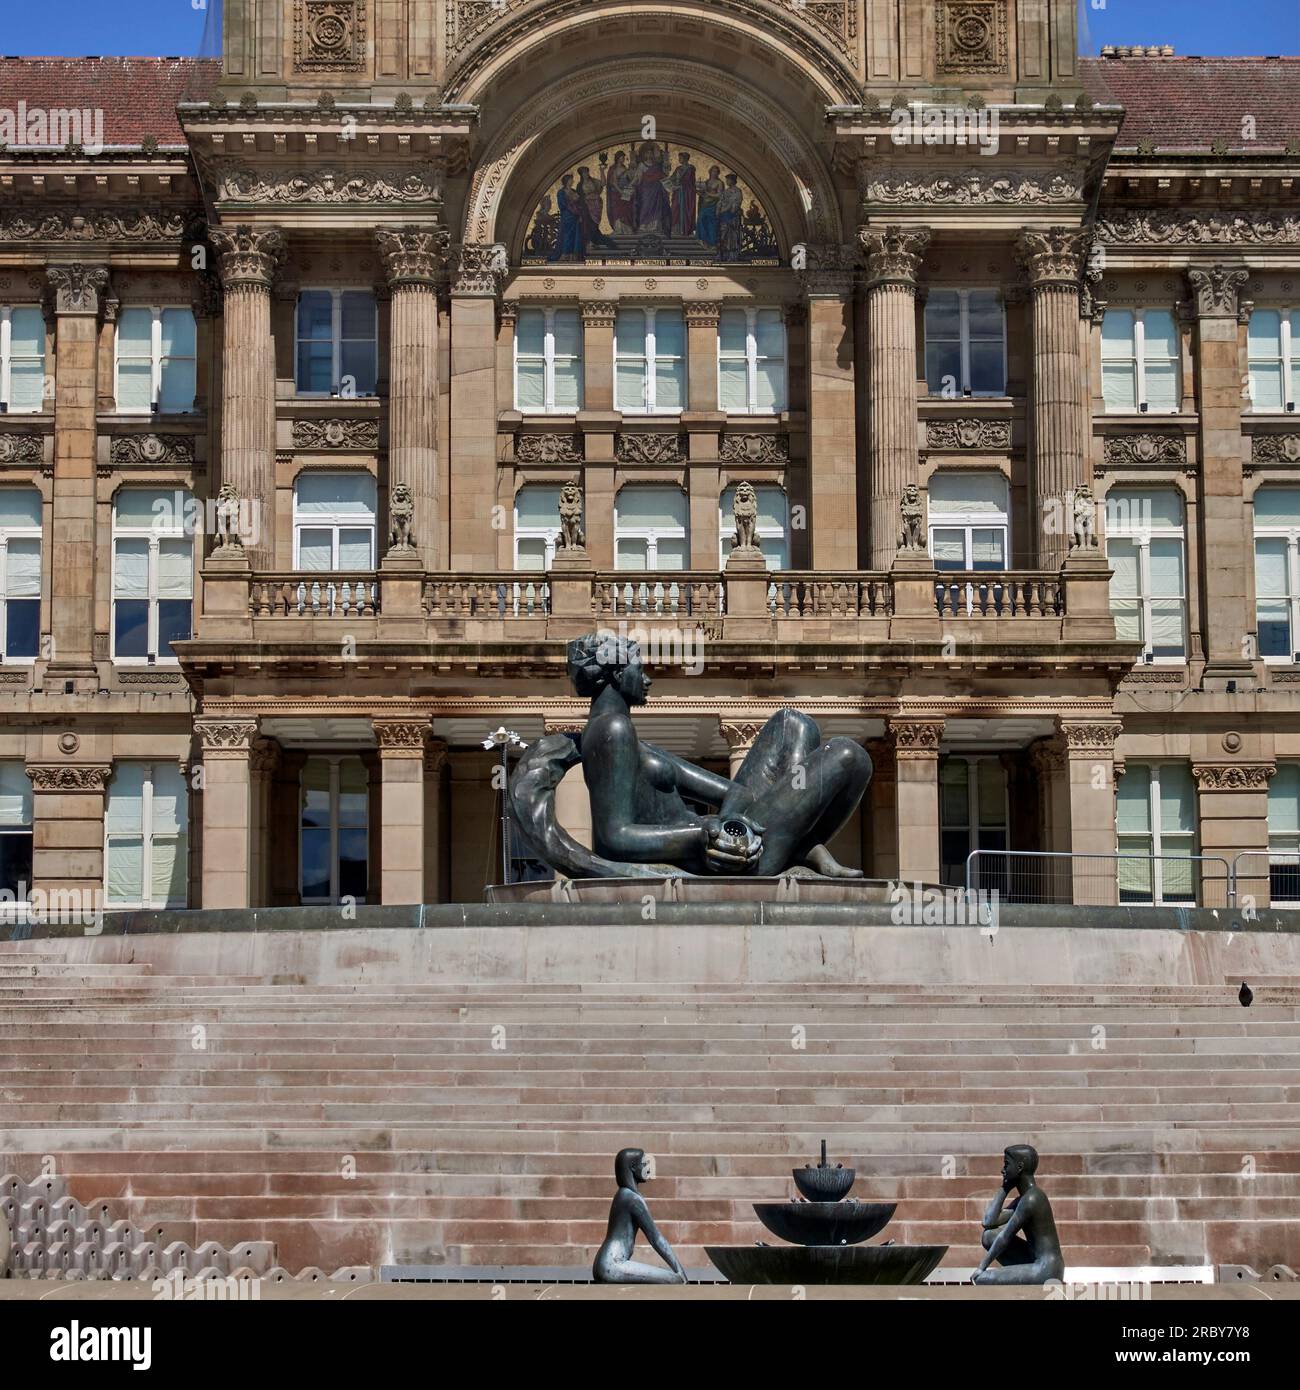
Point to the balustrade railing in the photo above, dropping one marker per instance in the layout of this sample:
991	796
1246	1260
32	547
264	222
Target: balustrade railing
999	594
623	594
817	594
487	596
298	595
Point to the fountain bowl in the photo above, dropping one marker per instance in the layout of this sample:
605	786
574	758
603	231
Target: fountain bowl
825	1223
823	1183
826	1264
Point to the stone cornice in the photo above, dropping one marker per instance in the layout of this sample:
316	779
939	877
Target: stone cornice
893	255
248	256
69	777
77	287
1232	777
413	256
965	188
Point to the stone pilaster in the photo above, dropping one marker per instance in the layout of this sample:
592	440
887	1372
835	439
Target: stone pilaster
827	275
598	317
1232	816
1048	759
228	815
702	319
247	258
436	868
916	801
1053	260
76	292
68	831
414	259
893	258
1090	778
402	806
263	765
1228	560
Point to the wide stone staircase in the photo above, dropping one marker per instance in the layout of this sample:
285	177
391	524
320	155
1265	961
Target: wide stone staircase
343	1125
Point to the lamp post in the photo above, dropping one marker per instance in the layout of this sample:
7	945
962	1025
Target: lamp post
504	739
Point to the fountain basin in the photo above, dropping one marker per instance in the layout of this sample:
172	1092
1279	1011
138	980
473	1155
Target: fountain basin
823	1183
825	1223
826	1264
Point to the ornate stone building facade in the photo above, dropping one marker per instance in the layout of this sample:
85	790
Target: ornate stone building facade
298	359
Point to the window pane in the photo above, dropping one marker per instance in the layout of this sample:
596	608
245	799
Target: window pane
168	886
670	333
1284	800
733	333
733	385
1117	339
15	795
358	367
1162	385
356	548
530	553
26	385
20	506
670	385
986	368
315	367
343	494
175	624
538	506
568	383
315	549
942	315
1123	557
315	849
1131	509
352	864
987	549
771	385
992	793
315	315
175	567
134	385
967	493
1273	623
672	554
629	332
530	333
131	568
178	335
1159	334
772	509
1166	568
358	314
124	804
630	386
16	865
567	332
170	797
131	627
27	333
1264	335
125	870
23	579
1277	506
948	549
530	385
1133	800
1167	627
354	792
984	314
150	508
954	793
1127	614
1119	385
178	385
630	555
1271	567
650	506
942	367
769	331
135	333
1177	799
316	793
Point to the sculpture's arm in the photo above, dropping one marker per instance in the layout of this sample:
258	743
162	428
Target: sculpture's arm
698	782
995	1214
658	1241
1015	1220
611	766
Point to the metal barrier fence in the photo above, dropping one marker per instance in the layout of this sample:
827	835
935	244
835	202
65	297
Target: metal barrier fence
1276	880
1102	880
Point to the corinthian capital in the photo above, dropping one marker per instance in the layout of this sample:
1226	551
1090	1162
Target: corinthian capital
479	269
893	255
1216	289
76	287
1053	257
248	256
413	255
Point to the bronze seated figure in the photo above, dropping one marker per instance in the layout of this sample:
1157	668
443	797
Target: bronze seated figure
788	799
1022	1236
628	1214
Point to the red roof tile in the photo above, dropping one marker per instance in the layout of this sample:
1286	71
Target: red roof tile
138	96
1190	103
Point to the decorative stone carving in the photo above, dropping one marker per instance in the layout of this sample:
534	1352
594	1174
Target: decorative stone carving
413	255
247	257
651	448
962	188
1200	229
836	20
601	313
227	534
329	35
479	269
757	450
400	737
744	515
912	538
571	535
467	19
893	254
77	287
92	224
69	777
971	36
361	435
825	267
329	184
21	448
916	738
152	450
1232	777
401	517
548	448
1131	450
1083	737
967	433
1083	527
1053	257
1264	448
1217	288
226	737
702	313
740	734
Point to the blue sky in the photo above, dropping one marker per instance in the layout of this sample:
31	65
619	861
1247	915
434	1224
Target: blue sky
175	27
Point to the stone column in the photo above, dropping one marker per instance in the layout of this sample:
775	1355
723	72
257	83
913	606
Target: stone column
263	763
1090	779
1053	260
247	260
475	285
414	259
880	824
68	832
227	745
402	801
435	822
827	276
1228	560
740	738
893	263
1049	763
916	802
76	292
1232	816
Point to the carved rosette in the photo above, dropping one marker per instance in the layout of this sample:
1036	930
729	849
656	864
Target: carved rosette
413	257
479	270
1053	259
650	448
21	448
825	268
1087	738
152	450
226	738
362	435
893	255
971	36
548	448
1216	289
968	434
77	287
1264	448
329	35
1232	777
1133	450
757	450
401	738
599	313
69	777
916	738
247	257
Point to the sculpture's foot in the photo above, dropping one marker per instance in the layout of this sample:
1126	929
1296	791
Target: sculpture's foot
825	863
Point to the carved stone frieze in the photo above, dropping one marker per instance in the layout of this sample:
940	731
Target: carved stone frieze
69	777
229	737
1268	448
968	434
1200	229
966	188
552	447
133	450
336	434
825	267
92	224
759	450
21	448
328	184
651	448
1133	450
1232	777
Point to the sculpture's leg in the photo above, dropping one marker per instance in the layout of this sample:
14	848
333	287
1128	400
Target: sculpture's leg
1034	1272
785	741
633	1272
1017	1253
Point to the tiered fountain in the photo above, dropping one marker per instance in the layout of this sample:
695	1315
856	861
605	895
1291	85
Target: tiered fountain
826	1230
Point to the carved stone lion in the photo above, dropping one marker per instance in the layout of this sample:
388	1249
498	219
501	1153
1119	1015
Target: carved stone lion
571	534
401	516
913	514
227	528
745	514
1083	534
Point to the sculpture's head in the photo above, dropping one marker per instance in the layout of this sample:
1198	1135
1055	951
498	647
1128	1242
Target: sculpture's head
631	1167
603	659
746	497
569	493
1019	1161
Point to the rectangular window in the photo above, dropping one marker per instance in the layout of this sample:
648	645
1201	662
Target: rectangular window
973	815
537	526
22	358
751	361
1283	837
1144	544
15	832
1277	571
548	361
1139	360
338	343
156	360
969	526
1156	818
650	529
145	836
649	361
1273	351
965	343
334	522
153	574
334	833
20	573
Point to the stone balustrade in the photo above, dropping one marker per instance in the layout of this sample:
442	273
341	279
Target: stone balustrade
1009	594
297	595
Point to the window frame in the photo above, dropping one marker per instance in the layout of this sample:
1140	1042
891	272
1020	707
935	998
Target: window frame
652	535
156	360
548	360
1291	852
973	826
7	360
1290	536
154	533
1158	835
1141	405
963	293
650	361
17	910
969	522
333	760
21	533
334	522
147	834
336	293
753	358
1289	361
1141	537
